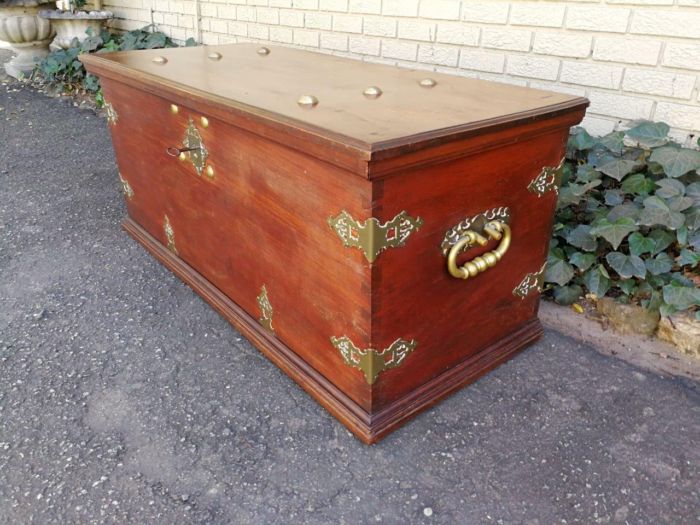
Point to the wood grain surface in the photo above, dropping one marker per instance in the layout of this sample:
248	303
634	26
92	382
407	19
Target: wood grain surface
268	87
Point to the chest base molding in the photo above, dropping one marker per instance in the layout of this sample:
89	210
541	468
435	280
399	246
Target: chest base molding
369	428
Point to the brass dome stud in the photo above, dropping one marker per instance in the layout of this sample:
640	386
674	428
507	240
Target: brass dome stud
160	60
307	101
427	83
205	122
215	55
263	51
174	109
372	92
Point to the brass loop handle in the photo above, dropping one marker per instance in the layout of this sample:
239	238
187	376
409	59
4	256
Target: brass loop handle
175	152
497	230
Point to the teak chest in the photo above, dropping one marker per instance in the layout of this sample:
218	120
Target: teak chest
379	233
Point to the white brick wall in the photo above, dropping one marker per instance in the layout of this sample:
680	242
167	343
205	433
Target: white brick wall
633	58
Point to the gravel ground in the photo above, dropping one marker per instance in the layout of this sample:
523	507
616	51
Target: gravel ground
125	399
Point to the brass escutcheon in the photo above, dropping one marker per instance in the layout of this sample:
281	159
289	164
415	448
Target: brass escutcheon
265	310
372	236
373	362
112	115
549	179
532	282
169	235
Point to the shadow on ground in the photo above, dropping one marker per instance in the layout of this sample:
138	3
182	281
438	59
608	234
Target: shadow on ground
125	399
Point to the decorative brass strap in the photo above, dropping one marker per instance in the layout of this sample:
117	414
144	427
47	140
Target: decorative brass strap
112	115
475	224
265	310
169	235
549	179
126	187
496	230
371	236
370	361
531	282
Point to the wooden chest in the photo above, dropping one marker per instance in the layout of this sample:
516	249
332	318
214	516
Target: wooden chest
379	233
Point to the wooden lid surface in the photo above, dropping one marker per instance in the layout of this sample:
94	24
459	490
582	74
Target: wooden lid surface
413	105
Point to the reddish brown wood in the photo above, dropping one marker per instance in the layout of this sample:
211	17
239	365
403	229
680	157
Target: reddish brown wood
262	220
368	427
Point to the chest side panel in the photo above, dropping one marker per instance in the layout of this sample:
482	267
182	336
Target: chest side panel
256	216
452	319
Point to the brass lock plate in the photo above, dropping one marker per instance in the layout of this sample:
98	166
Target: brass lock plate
475	224
197	153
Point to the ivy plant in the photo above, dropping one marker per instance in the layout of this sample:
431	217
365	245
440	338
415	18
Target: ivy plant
62	72
628	221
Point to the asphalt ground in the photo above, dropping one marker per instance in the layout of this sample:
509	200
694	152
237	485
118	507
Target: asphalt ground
124	398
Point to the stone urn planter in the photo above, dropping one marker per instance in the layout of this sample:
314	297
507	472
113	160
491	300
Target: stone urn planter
74	24
27	34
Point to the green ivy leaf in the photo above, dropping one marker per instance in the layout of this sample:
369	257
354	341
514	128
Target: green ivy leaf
626	266
572	193
694	240
109	47
639	244
91	43
687	258
617	168
670	188
586	173
582	261
567	295
676	161
681	297
614	232
558	271
613	141
662	240
667	310
654	302
649	134
628	209
656	211
693	191
662	263
681	280
155	40
581	238
580	140
638	184
692	218
628	286
613	197
597	280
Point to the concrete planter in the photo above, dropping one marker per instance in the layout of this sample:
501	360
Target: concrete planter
69	25
27	34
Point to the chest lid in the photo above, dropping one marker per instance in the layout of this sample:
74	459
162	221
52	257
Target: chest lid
358	105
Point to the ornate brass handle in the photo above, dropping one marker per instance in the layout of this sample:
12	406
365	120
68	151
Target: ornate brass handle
497	230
